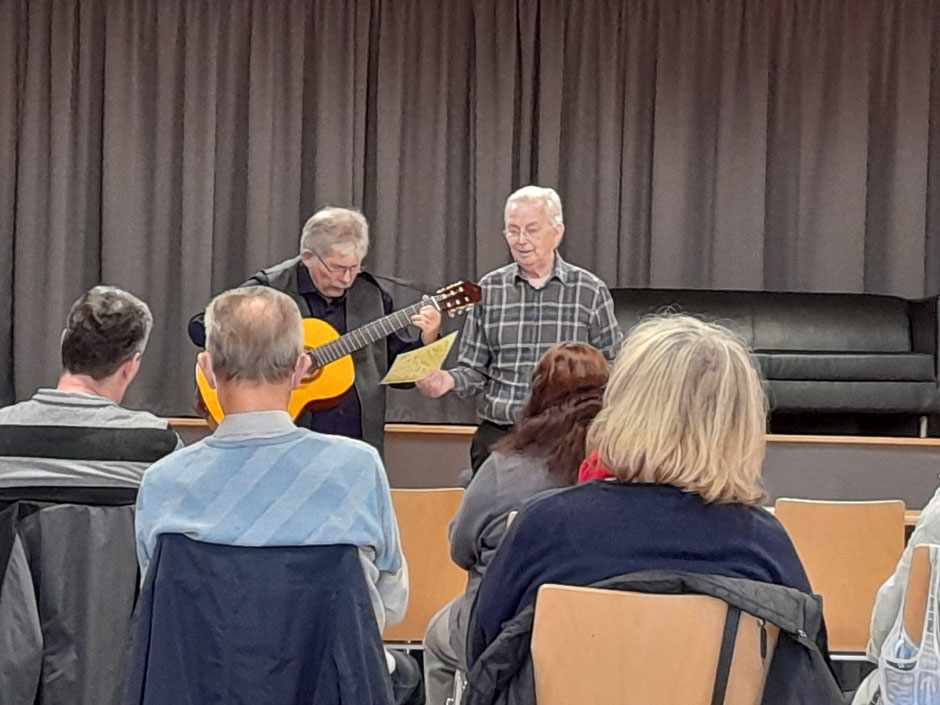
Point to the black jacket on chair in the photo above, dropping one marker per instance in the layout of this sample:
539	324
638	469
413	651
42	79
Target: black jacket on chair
800	673
258	626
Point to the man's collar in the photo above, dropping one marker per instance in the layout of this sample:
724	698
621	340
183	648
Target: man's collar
255	424
60	396
560	270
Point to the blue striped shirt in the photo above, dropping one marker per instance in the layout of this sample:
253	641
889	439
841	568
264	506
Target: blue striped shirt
261	481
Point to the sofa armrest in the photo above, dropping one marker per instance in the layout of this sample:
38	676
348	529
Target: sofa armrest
925	330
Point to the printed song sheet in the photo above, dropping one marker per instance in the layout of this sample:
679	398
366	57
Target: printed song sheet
418	364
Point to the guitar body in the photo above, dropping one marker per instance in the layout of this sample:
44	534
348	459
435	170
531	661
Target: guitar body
333	370
328	382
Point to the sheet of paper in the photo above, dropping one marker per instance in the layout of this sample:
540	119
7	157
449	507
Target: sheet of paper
418	364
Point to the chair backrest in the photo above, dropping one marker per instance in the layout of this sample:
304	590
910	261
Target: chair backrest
423	516
606	646
848	549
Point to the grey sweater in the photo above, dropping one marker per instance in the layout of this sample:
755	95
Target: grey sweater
68	439
502	485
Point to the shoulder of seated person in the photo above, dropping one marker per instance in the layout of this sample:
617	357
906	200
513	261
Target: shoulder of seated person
353	446
156	421
552	499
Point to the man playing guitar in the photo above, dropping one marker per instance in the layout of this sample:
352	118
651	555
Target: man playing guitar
327	282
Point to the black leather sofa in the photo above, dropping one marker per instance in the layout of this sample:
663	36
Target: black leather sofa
824	356
843	353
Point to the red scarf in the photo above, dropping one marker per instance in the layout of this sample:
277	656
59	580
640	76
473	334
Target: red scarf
592	469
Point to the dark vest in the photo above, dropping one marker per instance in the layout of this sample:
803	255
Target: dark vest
363	305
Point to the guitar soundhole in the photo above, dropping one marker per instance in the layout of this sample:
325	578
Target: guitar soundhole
315	369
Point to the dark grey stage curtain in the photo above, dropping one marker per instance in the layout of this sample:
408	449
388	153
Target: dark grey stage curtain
172	147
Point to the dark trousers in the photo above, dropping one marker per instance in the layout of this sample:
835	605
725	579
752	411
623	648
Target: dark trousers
486	435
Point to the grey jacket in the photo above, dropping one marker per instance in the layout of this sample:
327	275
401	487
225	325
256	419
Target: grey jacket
800	673
68	581
503	484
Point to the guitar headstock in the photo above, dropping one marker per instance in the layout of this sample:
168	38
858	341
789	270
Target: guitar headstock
457	298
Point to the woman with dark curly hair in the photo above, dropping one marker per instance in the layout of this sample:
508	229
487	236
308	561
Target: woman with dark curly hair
542	452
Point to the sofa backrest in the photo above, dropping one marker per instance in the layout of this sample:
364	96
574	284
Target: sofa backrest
781	321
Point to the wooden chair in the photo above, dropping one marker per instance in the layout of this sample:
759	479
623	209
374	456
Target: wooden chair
848	549
593	646
423	516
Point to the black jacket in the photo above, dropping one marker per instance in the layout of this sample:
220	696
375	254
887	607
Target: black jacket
285	625
364	304
800	673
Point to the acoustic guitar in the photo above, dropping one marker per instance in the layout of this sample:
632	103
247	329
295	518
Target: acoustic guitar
333	371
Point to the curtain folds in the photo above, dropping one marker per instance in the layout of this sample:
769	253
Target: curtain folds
172	147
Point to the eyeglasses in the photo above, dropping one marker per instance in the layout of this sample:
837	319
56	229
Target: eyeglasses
514	235
336	270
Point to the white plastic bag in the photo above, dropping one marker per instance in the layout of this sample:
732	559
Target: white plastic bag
910	672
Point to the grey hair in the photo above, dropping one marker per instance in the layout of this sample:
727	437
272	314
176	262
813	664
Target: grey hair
106	327
253	334
548	197
339	228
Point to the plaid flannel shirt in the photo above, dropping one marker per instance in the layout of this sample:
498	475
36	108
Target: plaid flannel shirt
515	323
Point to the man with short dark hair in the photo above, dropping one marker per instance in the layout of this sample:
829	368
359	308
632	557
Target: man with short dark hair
78	434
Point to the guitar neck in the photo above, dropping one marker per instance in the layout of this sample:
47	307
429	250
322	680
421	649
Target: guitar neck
366	335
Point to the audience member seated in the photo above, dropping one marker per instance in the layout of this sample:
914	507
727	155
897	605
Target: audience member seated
542	452
71	459
78	434
890	598
259	480
682	432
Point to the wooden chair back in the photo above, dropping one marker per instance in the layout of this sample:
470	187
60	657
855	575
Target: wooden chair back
423	516
595	647
848	549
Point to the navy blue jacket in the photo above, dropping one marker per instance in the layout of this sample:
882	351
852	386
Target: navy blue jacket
580	535
239	625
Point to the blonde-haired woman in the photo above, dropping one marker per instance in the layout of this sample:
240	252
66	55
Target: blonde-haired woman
682	434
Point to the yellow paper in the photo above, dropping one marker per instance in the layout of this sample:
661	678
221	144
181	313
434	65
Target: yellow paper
418	364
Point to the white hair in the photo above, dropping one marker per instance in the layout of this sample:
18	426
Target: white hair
548	197
335	228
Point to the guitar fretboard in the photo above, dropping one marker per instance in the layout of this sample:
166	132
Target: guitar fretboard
366	335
